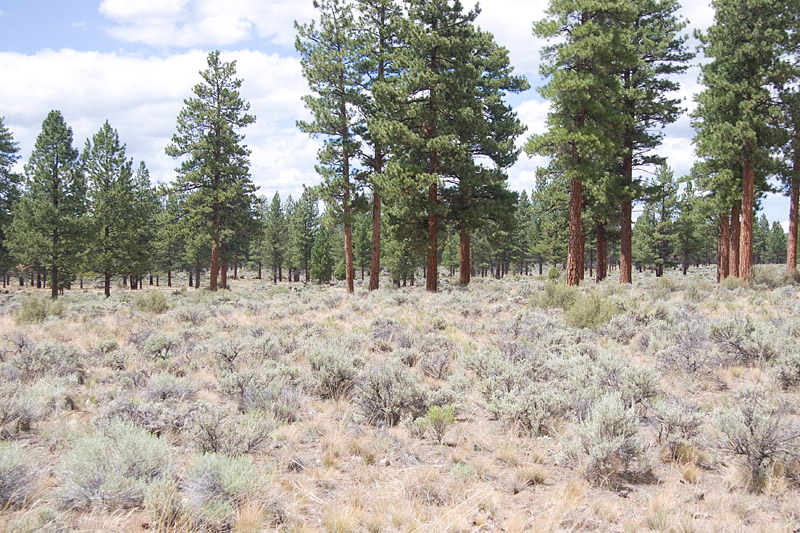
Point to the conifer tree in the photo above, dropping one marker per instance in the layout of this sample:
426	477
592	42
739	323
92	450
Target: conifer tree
303	224
585	94
330	58
48	225
273	242
10	183
747	45
378	41
659	52
214	171
362	241
321	261
112	226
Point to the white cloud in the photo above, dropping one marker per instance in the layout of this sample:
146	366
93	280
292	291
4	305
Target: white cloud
201	22
141	97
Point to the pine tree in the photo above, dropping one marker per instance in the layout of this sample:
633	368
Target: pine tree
659	52
362	241
169	244
585	94
214	172
689	227
776	244
303	224
761	232
747	45
48	225
330	59
110	195
10	183
436	41
378	41
273	242
321	262
144	207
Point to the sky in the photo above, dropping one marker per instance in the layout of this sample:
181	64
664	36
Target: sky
133	62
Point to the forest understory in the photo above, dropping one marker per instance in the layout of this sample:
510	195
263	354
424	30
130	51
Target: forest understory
518	404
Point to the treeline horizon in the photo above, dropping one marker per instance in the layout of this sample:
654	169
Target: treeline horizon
410	102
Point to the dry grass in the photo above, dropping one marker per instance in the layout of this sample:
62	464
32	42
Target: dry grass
336	472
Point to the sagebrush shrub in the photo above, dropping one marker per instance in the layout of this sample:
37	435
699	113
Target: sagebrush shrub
335	369
388	391
590	310
215	485
57	360
608	438
760	430
274	389
744	341
166	387
787	370
555	295
111	469
676	422
216	429
437	421
18	474
18	411
161	345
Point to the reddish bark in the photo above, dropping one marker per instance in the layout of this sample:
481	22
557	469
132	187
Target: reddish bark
375	257
733	258
746	236
574	255
464	272
723	247
791	250
602	252
433	240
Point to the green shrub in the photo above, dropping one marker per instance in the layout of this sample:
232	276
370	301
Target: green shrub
770	276
215	429
436	422
160	345
111	470
553	274
151	301
555	295
162	503
388	391
760	430
35	308
18	474
676	422
590	310
787	370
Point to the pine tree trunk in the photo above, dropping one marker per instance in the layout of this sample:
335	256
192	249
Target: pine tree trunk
169	278
723	247
574	263
191	279
626	224
259	270
223	271
464	258
375	255
791	249
236	266
197	276
746	237
107	282
349	273
215	250
280	272
733	258
602	253
54	272
433	238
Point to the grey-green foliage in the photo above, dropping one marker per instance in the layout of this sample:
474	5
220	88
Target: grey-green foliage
56	360
216	429
335	368
388	391
166	387
761	430
111	469
436	422
18	474
676	422
786	369
744	341
160	345
215	485
608	438
162	502
272	388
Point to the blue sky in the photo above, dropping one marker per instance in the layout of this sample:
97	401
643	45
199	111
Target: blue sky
132	62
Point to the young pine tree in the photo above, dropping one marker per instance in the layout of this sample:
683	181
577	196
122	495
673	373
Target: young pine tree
48	227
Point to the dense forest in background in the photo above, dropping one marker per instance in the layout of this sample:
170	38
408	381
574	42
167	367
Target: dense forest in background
409	100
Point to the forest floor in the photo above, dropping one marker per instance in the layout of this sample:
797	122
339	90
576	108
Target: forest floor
513	405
